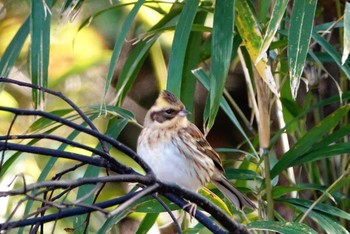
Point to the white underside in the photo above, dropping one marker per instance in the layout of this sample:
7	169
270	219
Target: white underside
170	166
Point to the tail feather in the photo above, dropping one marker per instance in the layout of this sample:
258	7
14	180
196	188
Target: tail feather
238	199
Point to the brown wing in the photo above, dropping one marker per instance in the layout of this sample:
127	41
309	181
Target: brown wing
203	146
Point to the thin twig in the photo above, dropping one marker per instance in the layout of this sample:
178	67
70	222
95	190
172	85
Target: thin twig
60	95
118	145
51	185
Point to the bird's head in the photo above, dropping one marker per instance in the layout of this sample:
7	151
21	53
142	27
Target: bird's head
167	111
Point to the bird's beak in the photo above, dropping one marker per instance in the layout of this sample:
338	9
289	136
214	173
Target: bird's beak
184	112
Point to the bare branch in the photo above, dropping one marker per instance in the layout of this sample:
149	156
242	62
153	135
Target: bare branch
51	185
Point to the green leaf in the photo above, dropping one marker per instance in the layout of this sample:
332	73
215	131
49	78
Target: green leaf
120	41
332	52
138	55
147	223
321	214
241	174
149	205
118	111
42	122
108	223
178	49
221	51
324	152
246	24
346	46
308	140
281	227
204	79
115	126
299	39
50	164
276	17
192	59
279	191
326	209
40	19
12	51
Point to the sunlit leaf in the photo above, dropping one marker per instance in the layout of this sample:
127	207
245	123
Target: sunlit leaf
12	51
277	14
147	222
215	199
246	24
346	45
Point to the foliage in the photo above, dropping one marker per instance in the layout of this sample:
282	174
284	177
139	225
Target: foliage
293	130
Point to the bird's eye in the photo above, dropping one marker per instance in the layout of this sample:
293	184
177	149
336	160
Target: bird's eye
169	111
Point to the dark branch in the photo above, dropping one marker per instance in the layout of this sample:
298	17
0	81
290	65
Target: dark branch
60	95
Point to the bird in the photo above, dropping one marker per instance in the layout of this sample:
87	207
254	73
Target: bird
177	151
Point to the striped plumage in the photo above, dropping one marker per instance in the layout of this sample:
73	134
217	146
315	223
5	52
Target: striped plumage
178	153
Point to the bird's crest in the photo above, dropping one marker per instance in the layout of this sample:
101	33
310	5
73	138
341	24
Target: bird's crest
166	98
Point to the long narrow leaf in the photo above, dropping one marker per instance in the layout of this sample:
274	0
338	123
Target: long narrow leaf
221	51
332	52
276	17
178	49
204	79
138	55
119	43
40	45
193	52
308	140
346	46
11	53
115	126
299	39
247	27
281	227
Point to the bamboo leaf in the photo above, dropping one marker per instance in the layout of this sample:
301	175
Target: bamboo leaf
281	227
52	161
12	51
299	39
178	49
40	19
252	39
204	79
119	43
326	209
321	214
276	17
308	140
115	126
332	52
346	46
147	222
139	53
221	51
192	59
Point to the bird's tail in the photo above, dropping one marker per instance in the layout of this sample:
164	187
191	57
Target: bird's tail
238	199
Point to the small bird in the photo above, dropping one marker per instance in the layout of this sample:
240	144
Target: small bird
178	152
